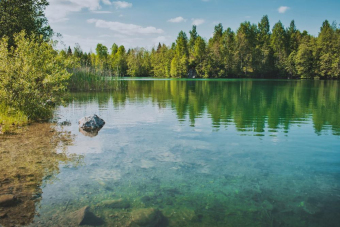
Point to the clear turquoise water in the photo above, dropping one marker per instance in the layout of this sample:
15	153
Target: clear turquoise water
205	153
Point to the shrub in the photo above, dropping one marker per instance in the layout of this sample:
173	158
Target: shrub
32	76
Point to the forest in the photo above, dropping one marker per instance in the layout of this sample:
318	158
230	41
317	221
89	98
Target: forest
253	51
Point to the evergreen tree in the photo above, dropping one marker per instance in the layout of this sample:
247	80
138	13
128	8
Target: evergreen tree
327	51
101	58
193	37
69	51
279	45
293	37
120	62
229	43
198	56
78	53
246	43
179	64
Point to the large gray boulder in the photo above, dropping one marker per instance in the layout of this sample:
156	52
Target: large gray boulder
91	123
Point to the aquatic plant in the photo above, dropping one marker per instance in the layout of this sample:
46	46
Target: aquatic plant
89	79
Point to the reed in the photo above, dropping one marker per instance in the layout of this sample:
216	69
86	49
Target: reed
91	79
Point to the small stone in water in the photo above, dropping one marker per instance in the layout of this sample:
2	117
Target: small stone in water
7	200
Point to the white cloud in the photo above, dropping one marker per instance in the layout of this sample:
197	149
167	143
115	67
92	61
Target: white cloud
122	4
101	12
197	21
106	2
159	39
283	9
85	43
177	20
104	36
58	10
128	29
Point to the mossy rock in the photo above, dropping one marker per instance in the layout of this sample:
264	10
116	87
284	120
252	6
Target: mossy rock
146	217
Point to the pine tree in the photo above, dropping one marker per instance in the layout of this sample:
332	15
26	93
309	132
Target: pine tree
179	64
264	51
69	51
279	45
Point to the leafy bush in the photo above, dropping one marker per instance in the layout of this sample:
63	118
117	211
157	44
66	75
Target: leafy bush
32	76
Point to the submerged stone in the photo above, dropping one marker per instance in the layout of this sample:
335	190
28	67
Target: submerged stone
149	217
2	215
118	204
7	200
91	123
267	205
85	217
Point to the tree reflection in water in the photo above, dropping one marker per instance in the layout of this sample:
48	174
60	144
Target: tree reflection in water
252	105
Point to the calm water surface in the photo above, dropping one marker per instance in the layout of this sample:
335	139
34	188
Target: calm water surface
182	153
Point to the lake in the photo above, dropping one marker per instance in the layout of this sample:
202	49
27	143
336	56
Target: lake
181	153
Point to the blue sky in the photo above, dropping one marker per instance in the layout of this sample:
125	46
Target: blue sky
144	23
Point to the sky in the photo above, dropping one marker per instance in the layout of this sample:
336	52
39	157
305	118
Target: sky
145	23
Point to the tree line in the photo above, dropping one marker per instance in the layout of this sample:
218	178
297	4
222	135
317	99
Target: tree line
253	51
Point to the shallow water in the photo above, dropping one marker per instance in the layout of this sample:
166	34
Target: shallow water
202	153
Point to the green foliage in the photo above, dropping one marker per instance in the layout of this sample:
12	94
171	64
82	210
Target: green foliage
139	63
161	61
279	45
101	51
32	76
179	63
28	15
304	61
193	37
